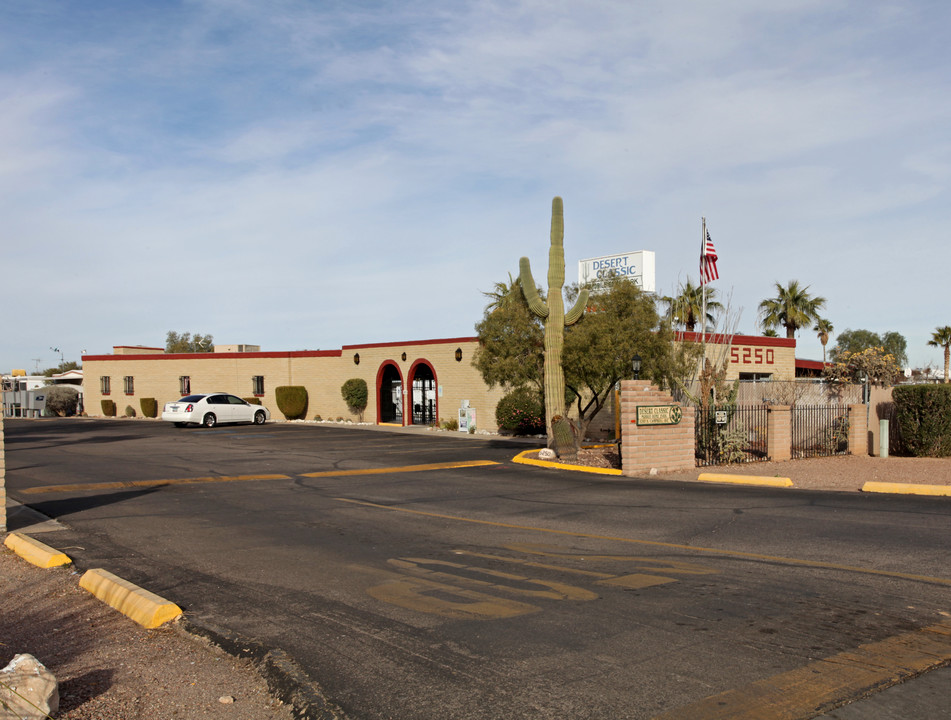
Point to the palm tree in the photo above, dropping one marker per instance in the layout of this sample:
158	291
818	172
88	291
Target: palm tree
687	307
823	328
502	293
792	308
941	337
770	332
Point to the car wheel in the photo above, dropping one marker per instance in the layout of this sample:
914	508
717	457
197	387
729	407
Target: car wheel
259	418
209	420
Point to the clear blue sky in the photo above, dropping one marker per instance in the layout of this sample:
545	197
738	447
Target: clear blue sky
302	175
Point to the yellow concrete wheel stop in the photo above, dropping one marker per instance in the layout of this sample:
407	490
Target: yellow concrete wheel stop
146	608
760	480
35	552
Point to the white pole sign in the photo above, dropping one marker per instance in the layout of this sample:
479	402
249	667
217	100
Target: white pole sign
637	266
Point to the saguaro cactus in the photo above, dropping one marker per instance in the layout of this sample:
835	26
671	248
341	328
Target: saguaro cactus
552	312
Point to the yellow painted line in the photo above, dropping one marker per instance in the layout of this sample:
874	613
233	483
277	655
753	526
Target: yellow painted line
907	488
825	684
522	460
760	480
125	484
35	552
654	543
146	608
403	469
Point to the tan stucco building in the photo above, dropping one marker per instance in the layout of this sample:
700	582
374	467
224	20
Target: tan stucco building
410	382
421	382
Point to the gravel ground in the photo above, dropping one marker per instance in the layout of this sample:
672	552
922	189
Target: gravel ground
110	667
843	472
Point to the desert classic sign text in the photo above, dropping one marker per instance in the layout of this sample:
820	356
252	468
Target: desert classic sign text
637	266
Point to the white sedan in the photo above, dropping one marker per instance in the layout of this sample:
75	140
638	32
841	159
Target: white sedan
214	408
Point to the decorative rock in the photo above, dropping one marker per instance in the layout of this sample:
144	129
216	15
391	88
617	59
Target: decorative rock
226	699
28	691
546	454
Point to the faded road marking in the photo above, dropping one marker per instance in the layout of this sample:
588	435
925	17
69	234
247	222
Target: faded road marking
126	484
403	469
828	683
654	543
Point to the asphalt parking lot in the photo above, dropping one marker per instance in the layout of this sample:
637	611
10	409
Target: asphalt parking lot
419	576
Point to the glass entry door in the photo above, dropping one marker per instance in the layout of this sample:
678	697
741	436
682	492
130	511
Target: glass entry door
424	396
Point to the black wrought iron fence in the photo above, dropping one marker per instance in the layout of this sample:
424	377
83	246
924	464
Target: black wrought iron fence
727	435
820	430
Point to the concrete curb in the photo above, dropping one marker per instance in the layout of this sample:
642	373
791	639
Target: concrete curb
35	552
907	489
146	608
522	460
758	480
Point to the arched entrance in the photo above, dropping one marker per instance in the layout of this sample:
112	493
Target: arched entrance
390	394
424	394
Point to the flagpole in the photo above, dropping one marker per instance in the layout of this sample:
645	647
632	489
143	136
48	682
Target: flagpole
703	294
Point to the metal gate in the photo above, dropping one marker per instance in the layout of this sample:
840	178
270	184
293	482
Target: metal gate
820	430
731	434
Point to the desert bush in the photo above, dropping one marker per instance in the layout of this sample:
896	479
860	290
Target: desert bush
149	407
292	401
129	411
450	424
355	394
521	412
109	408
61	400
252	400
923	415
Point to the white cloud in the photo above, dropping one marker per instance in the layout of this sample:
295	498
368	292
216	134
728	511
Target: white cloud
388	163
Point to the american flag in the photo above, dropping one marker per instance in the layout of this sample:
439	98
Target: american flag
708	262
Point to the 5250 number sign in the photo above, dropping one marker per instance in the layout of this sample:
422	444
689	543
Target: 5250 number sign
752	356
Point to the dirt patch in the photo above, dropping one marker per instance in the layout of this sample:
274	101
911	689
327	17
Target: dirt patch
840	472
107	666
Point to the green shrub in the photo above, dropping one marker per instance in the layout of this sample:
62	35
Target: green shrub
317	418
252	400
923	416
355	394
129	411
450	424
109	408
292	401
149	407
521	412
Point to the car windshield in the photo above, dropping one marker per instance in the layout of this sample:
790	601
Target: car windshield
191	398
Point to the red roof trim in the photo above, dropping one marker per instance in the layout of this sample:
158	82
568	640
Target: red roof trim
751	340
443	341
812	364
215	356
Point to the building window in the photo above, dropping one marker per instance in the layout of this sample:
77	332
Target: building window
755	377
184	385
105	384
128	383
257	385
